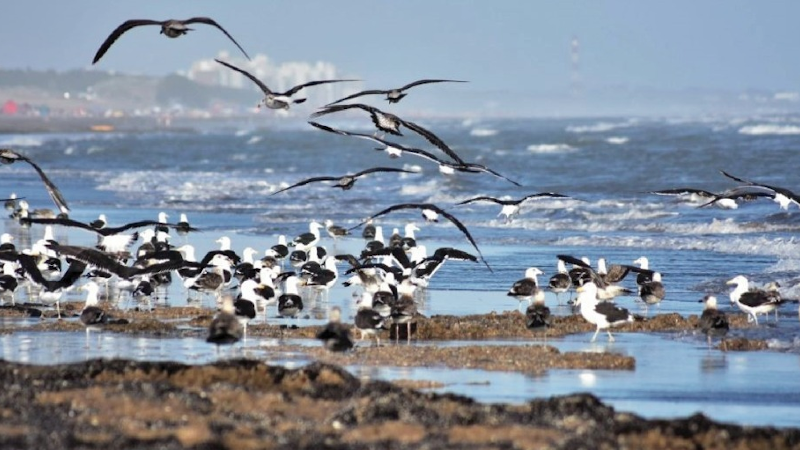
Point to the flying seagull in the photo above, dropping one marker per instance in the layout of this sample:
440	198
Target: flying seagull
395	150
344	182
431	213
393	95
112	238
510	207
782	196
389	123
277	100
171	28
8	156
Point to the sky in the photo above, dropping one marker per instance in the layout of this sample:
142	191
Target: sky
504	46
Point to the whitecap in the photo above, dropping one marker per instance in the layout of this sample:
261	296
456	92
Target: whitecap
254	139
600	127
617	140
551	148
770	129
16	140
482	132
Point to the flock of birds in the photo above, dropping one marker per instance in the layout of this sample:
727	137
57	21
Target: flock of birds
389	272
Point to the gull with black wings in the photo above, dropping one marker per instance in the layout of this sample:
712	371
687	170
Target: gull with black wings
396	94
277	100
171	28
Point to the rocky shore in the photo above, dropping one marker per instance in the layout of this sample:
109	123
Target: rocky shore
244	404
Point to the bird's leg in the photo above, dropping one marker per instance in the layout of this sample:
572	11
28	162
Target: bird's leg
58	309
408	332
595	335
610	337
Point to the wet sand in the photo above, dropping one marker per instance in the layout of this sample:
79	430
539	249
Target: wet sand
244	404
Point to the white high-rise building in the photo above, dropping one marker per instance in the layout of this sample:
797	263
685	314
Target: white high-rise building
279	77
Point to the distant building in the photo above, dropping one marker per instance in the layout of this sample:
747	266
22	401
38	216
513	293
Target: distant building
278	77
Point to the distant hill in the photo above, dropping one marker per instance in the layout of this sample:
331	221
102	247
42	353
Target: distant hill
103	90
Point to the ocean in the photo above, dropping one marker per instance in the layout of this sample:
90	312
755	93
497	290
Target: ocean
223	177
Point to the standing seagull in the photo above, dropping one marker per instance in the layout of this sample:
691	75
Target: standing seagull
393	95
510	207
336	336
8	156
92	316
171	28
225	328
560	282
344	182
431	213
277	100
527	288
602	314
713	322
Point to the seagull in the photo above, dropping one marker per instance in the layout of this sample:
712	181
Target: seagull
171	28
394	95
510	207
367	320
653	291
713	322
560	282
537	316
8	156
336	336
389	123
92	316
431	213
753	301
51	290
699	195
782	196
345	182
602	314
225	328
277	100
395	150
112	238
527	288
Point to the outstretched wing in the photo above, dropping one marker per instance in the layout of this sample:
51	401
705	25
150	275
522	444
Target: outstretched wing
65	222
358	94
482	198
209	21
381	169
463	229
127	25
252	78
472	167
683	191
543	194
337	108
297	88
305	182
426	81
433	139
52	189
95	258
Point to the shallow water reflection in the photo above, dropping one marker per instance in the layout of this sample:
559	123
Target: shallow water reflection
673	376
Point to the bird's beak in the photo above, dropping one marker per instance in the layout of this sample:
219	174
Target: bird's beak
579	289
730	282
